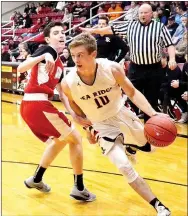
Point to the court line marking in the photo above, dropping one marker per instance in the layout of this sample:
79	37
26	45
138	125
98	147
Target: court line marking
97	171
18	103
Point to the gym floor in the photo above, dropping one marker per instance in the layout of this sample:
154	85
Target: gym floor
165	171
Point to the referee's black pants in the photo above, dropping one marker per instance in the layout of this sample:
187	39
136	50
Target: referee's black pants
147	79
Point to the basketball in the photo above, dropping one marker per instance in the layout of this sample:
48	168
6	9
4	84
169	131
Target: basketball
160	131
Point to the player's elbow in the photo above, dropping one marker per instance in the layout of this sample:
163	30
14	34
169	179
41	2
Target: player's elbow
20	68
131	93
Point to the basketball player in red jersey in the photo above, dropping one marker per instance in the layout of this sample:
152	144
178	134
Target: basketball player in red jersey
45	121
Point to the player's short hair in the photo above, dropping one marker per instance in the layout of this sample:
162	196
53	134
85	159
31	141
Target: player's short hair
103	17
47	29
86	40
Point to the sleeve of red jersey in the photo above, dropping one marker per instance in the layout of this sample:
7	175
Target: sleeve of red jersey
45	49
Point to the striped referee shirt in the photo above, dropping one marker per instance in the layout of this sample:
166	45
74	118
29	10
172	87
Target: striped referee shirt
145	41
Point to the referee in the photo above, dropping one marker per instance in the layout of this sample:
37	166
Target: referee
146	38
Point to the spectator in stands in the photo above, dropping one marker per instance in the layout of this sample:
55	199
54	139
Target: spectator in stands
111	47
60	6
12	45
67	15
14	17
77	10
162	17
180	31
185	68
185	96
156	16
24	53
180	86
33	9
154	5
27	21
47	20
101	9
132	13
20	39
38	8
34	30
181	49
27	9
114	8
19	19
172	25
165	6
181	11
66	58
5	56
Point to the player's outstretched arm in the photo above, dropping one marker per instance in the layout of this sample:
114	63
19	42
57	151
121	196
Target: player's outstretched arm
77	114
134	95
103	31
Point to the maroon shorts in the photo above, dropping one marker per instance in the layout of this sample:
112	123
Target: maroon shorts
44	120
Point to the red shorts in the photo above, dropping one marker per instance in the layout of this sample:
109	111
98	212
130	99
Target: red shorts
44	120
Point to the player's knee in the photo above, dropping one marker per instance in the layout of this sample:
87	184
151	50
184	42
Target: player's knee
129	172
74	138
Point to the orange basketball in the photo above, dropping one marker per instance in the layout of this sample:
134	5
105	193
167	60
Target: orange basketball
160	131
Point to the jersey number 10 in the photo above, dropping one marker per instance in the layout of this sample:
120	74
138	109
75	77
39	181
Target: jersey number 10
101	101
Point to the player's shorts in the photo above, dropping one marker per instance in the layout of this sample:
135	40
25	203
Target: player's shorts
125	123
44	120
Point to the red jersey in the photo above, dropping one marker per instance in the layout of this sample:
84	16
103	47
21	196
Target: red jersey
40	81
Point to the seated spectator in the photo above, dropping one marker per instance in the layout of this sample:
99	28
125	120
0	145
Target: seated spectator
132	13
34	30
181	11
162	17
101	9
19	19
12	45
181	29
5	56
38	8
14	16
47	20
24	54
27	21
171	25
165	6
66	58
27	9
154	5
181	49
172	88
114	8
181	86
33	9
156	16
185	96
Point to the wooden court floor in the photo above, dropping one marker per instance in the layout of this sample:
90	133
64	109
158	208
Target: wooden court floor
165	171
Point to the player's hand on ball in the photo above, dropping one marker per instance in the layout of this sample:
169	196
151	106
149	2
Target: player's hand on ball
164	115
50	63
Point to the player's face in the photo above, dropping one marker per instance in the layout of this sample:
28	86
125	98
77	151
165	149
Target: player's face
82	58
57	37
